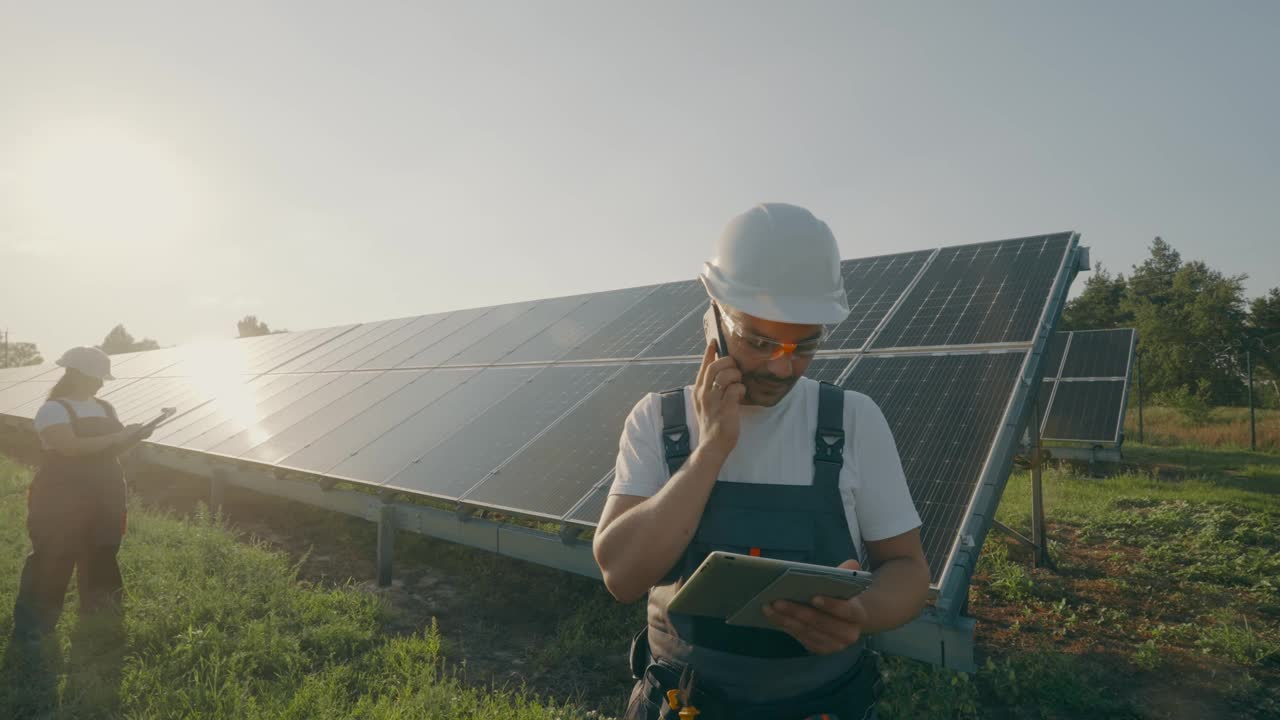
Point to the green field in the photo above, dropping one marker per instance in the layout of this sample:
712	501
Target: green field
1164	604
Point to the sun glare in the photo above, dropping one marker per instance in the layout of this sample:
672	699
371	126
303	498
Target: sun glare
220	369
103	190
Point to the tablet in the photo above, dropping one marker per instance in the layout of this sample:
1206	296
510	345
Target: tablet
165	415
726	585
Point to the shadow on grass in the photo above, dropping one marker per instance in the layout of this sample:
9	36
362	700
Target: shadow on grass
29	679
1237	469
29	673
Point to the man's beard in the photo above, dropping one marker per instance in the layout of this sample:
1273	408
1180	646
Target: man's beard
776	387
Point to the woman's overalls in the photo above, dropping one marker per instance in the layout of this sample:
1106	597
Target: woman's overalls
76	520
742	673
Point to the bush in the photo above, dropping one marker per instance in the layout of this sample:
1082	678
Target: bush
1196	407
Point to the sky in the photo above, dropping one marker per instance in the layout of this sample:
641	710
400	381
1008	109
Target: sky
174	167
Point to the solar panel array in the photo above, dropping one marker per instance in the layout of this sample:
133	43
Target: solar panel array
1085	386
518	407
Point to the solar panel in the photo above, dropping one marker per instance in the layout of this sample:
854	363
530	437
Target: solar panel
687	338
23	393
394	347
873	287
556	470
500	342
1099	353
944	411
233	396
237	402
463	459
571	330
375	459
324	391
332	416
1089	411
591	507
643	323
1092	386
970	294
332	353
474	330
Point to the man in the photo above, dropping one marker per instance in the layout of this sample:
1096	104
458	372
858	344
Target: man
751	474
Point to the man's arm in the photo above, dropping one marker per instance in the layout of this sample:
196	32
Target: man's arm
639	539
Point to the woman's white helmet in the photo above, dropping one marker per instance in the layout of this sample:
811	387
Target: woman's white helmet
88	360
778	262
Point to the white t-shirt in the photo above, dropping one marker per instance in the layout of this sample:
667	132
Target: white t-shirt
776	445
52	413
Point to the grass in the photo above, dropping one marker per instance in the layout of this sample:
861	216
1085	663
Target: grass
1163	605
1228	427
221	627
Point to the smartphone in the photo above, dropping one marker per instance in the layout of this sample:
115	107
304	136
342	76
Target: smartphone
722	347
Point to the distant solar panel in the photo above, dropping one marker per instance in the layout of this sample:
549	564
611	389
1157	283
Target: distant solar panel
1086	386
518	407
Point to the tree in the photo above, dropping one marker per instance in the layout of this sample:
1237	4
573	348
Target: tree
20	354
251	326
1264	332
120	341
1098	307
1191	325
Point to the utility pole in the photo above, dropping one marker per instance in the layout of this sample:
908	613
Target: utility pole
1140	388
1253	430
6	349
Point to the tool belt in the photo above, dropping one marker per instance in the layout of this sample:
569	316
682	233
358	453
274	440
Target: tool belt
850	697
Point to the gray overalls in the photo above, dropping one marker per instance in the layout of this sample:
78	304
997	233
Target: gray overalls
76	520
748	673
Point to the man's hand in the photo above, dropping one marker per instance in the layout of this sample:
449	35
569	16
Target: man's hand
828	626
717	399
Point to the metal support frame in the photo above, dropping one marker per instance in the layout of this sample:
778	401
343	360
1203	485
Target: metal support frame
217	490
1039	541
1091	455
1040	548
386	542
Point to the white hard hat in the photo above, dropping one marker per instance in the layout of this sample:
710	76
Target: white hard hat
778	262
89	360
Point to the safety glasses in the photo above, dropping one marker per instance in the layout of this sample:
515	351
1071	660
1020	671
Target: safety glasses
766	348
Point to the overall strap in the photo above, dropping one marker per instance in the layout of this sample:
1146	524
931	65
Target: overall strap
108	409
828	453
71	412
675	430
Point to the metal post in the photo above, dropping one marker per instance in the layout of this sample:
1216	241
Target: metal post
1141	437
386	542
217	490
1253	430
1040	555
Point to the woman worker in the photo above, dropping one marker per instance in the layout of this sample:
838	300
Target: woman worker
76	505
